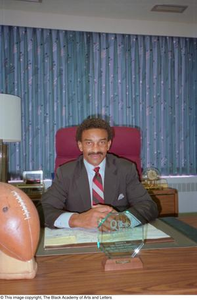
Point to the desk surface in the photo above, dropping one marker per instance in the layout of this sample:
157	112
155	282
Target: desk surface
166	271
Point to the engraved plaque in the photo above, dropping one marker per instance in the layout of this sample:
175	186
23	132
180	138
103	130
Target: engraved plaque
121	237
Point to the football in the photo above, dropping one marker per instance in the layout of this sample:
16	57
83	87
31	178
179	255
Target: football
19	223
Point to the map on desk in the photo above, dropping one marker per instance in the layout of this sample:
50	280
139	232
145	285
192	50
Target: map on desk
58	238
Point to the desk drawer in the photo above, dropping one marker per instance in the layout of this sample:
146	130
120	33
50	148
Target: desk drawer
167	202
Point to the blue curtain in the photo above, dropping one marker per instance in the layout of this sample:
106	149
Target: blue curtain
62	77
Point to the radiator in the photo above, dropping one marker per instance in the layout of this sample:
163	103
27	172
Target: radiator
187	191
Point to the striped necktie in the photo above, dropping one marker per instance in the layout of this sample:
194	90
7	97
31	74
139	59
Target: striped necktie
97	188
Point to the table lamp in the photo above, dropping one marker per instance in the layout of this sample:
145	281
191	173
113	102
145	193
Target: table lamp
10	128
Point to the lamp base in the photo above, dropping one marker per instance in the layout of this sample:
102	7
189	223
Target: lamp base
3	162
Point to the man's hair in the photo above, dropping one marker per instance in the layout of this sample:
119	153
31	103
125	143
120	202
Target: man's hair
94	123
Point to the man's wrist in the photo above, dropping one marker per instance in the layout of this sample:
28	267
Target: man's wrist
73	221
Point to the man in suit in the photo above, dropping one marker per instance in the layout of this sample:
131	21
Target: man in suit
69	202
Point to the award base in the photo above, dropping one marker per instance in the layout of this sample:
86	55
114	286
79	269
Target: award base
124	263
12	268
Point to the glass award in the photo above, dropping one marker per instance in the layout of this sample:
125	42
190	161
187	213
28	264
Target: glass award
121	237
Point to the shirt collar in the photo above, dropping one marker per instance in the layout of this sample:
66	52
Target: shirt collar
90	168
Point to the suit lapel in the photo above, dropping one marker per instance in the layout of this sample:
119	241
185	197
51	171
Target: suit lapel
81	180
111	180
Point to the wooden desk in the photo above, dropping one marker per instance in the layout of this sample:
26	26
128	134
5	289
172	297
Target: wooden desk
166	271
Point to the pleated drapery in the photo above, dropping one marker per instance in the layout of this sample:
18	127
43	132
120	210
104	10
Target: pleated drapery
62	77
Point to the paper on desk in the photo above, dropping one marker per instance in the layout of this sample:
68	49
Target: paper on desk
58	237
61	237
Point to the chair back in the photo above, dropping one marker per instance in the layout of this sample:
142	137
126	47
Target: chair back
126	143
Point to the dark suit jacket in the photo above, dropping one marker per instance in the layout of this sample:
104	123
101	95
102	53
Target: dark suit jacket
70	191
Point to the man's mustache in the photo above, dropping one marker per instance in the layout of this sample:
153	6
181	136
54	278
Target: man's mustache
95	153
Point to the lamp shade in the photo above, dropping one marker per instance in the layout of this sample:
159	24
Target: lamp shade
10	118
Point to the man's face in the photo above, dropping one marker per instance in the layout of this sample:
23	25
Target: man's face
94	145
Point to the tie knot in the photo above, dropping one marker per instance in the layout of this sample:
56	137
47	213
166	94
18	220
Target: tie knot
96	170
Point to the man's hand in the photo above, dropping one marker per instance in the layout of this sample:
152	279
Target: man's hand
90	218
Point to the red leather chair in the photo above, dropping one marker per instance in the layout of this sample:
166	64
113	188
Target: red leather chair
126	143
